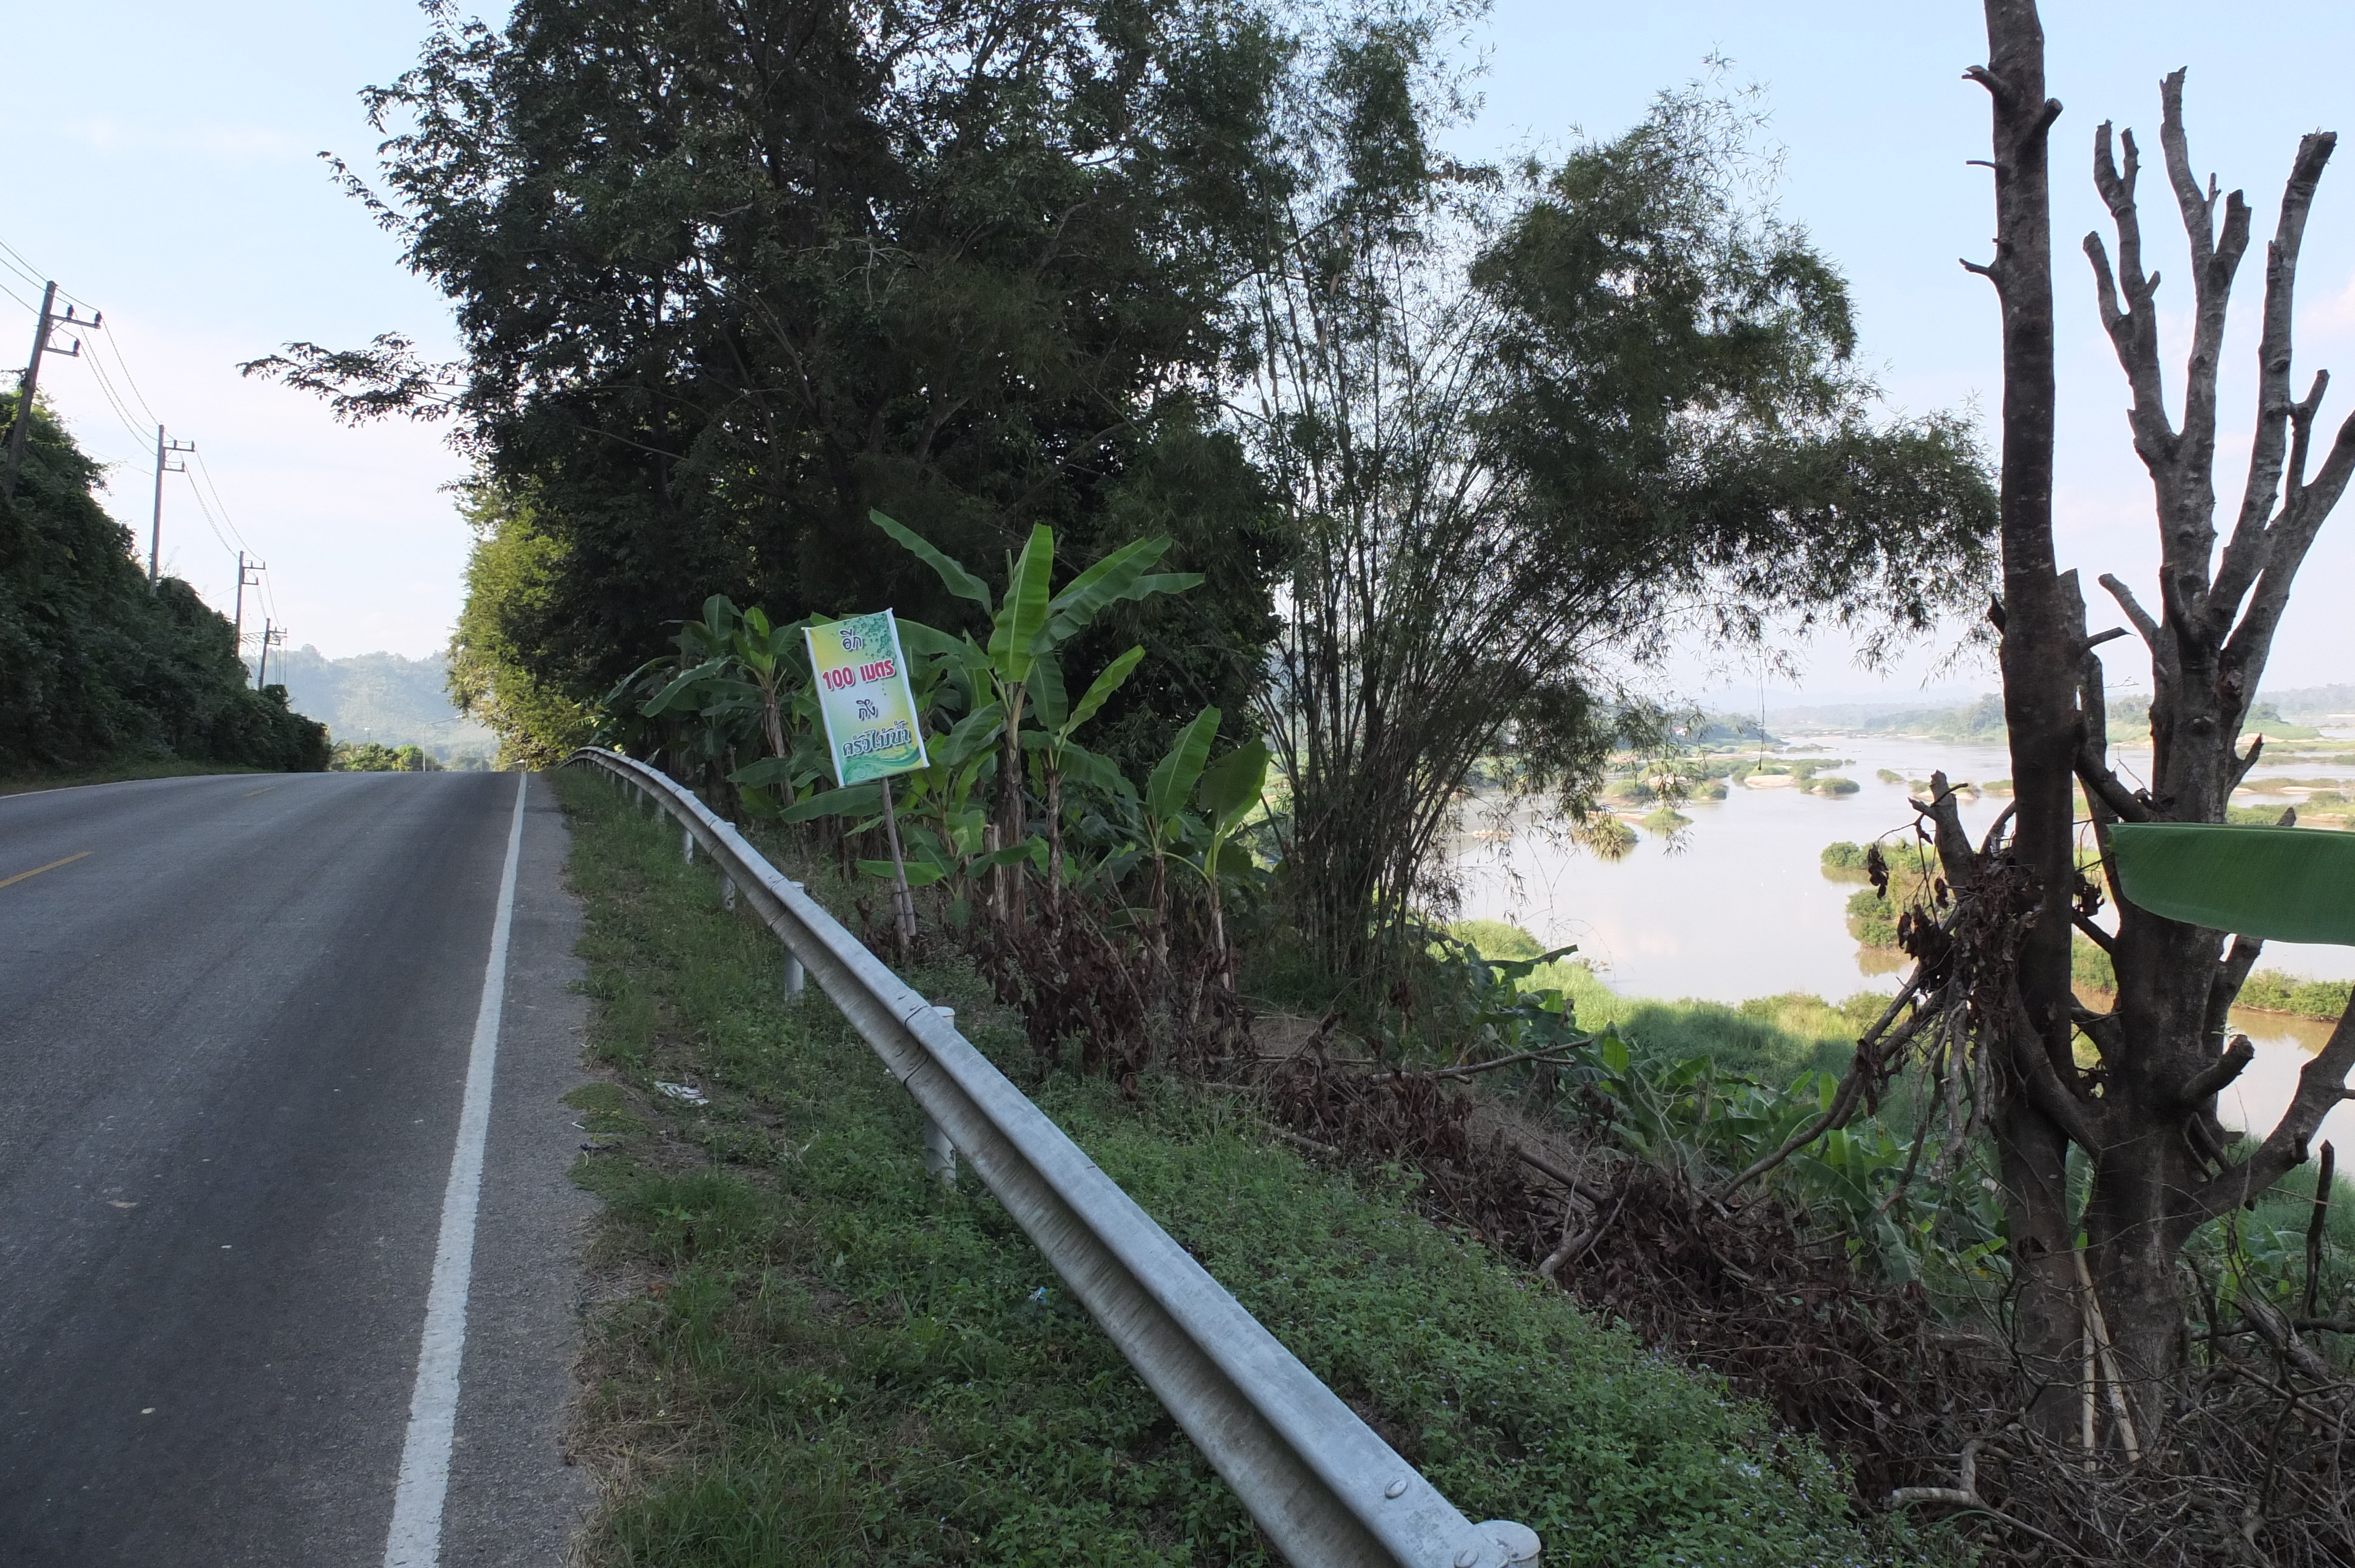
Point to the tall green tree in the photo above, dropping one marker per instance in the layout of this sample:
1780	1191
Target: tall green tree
729	276
1528	426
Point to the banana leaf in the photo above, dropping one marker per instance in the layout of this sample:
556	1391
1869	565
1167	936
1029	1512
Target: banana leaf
2285	885
959	581
1174	777
1023	616
1107	582
921	873
1231	786
858	799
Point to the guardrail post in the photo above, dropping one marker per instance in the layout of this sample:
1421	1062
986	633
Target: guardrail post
727	892
686	845
795	976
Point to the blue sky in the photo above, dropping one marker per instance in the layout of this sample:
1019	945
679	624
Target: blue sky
163	169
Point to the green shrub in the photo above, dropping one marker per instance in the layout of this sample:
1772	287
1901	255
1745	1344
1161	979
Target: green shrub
369	756
2271	991
1844	857
1496	939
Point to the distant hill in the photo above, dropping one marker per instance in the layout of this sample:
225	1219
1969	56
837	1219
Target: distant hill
1979	723
381	697
2314	705
2284	716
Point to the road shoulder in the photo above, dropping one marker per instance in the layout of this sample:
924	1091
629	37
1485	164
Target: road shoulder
515	1499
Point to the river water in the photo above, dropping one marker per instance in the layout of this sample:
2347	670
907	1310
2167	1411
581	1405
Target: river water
1737	905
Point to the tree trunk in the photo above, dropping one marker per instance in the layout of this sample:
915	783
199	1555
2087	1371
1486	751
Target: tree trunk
2040	662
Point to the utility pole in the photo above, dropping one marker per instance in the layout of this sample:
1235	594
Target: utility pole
245	579
31	380
270	635
163	465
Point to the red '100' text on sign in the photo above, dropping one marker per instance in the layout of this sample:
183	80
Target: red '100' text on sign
843	679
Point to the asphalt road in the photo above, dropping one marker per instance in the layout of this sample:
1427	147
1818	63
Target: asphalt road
236	1019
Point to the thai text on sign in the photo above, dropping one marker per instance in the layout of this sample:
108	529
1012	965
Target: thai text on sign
871	729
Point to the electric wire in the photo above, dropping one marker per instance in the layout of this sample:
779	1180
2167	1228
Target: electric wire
114	346
203	507
218	501
113	398
213	508
13	259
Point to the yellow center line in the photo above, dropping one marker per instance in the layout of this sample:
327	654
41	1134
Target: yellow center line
250	794
39	869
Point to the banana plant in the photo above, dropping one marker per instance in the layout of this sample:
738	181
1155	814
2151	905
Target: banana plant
744	680
1229	793
1166	827
1059	753
1028	624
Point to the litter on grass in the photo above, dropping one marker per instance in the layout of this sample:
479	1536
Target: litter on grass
687	1092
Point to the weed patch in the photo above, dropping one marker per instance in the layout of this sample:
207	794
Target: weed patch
823	1353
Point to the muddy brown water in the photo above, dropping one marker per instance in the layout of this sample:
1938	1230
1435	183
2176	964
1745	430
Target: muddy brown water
1737	905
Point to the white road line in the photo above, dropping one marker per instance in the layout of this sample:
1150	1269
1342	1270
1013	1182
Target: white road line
416	1538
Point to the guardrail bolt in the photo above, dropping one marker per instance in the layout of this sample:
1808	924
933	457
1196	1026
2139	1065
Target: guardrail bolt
1521	1544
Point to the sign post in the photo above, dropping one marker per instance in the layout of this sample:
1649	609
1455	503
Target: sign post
872	731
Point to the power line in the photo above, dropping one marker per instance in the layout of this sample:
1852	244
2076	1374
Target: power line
114	346
18	297
205	507
33	274
215	488
114	399
19	266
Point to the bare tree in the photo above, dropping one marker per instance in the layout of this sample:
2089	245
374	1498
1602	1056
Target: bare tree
2144	1112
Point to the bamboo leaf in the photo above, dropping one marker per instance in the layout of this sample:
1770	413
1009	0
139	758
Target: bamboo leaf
2285	885
960	582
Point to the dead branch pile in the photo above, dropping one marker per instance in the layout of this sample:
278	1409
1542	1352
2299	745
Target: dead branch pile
1784	1318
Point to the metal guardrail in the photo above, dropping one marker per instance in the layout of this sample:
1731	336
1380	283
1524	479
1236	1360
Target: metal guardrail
1325	1490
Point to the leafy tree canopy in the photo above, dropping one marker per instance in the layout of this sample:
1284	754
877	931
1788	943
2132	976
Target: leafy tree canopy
728	278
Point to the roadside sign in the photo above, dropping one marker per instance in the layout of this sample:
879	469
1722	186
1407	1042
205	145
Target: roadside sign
863	692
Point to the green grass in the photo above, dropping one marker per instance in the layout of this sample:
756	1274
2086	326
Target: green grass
1773	1038
116	772
828	1357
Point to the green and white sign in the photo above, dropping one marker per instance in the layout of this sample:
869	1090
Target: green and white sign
862	690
